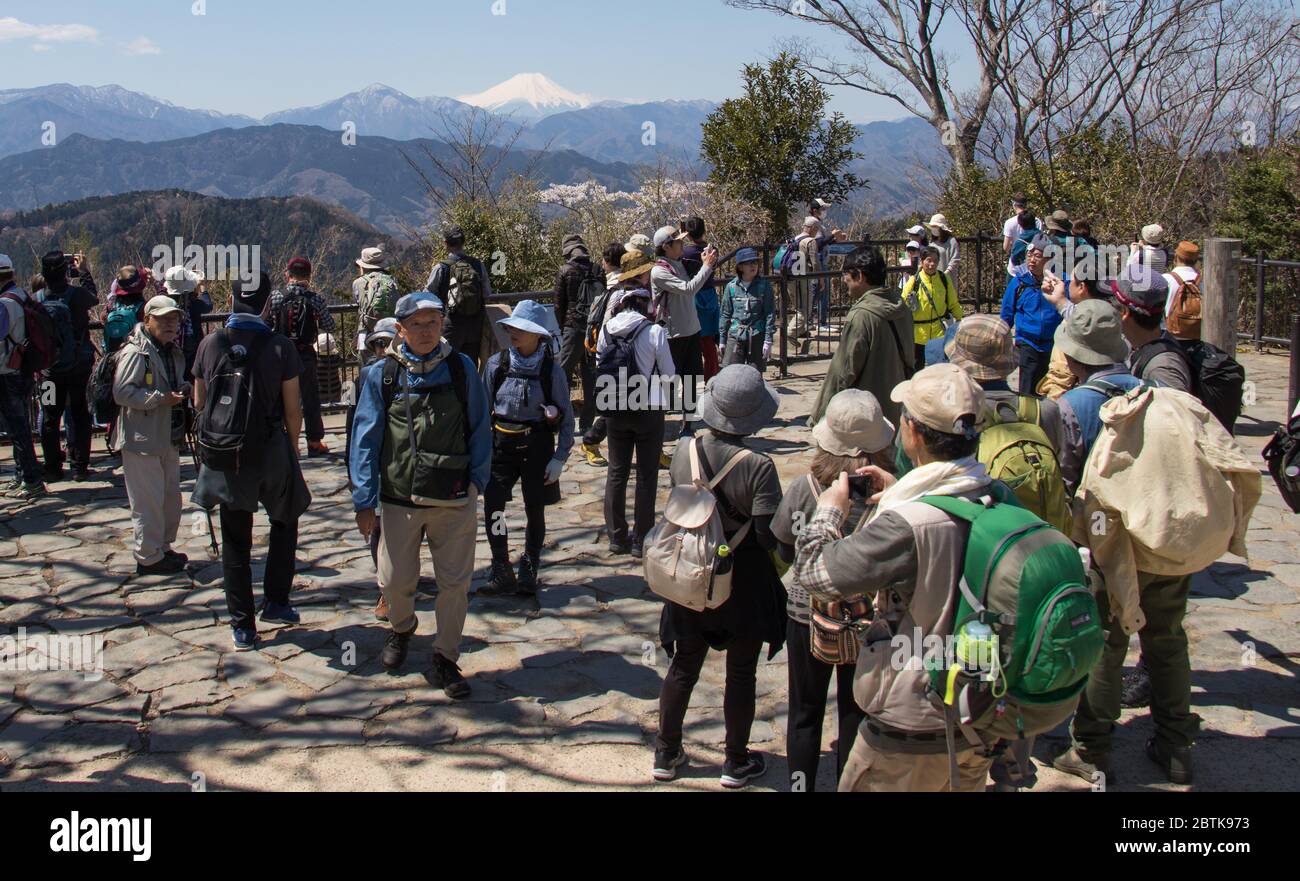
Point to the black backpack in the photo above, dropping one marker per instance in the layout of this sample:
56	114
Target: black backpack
103	407
296	319
1218	380
235	425
544	376
1283	457
616	365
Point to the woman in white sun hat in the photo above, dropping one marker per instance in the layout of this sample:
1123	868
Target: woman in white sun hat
943	238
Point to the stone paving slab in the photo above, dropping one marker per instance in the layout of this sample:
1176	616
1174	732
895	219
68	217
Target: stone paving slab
565	684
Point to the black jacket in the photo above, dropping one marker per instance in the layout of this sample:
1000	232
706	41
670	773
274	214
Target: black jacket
570	311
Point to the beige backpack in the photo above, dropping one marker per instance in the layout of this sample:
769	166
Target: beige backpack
688	558
1184	320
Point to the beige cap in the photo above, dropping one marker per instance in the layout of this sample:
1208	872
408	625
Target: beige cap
941	397
162	305
854	425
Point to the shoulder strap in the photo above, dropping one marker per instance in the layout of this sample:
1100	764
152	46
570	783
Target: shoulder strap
456	365
700	466
908	372
812	485
959	508
499	375
726	469
388	380
1102	387
1154	349
547	376
1028	409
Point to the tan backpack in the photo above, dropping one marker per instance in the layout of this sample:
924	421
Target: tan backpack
688	557
1184	321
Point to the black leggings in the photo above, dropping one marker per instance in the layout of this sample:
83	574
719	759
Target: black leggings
517	459
236	564
809	680
640	433
738	701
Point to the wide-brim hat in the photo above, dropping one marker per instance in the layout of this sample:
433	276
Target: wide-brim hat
373	258
738	401
635	264
1092	335
983	346
938	221
528	316
854	425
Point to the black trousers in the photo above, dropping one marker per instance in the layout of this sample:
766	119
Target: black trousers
737	703
69	404
236	564
639	433
809	679
574	358
688	358
1033	367
517	459
465	333
309	385
15	389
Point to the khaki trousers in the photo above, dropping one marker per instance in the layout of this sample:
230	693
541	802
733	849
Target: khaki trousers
153	487
872	770
452	533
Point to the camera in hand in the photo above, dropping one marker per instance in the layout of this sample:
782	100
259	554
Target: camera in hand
861	486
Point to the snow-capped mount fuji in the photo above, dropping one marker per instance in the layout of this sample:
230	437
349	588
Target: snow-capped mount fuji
527	97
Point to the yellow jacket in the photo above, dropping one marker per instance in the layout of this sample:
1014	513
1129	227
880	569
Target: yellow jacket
932	298
1166	490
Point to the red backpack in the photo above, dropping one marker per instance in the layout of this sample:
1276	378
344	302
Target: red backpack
40	349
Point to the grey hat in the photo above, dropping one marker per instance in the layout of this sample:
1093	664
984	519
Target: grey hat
854	425
1092	335
1142	289
738	401
385	329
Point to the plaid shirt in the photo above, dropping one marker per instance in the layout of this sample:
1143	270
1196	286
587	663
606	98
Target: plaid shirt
826	526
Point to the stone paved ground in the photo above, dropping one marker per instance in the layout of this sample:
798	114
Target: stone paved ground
565	686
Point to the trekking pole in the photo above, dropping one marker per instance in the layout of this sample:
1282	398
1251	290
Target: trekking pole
214	551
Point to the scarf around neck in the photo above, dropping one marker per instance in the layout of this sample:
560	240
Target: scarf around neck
953	478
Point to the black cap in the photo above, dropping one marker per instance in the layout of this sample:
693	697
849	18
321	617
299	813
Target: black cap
248	300
453	234
53	261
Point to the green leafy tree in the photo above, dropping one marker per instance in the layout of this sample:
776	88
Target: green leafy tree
775	147
1263	207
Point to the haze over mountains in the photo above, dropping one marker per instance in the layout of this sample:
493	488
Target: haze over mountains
109	140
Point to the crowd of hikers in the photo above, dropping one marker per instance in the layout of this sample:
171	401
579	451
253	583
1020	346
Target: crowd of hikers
995	504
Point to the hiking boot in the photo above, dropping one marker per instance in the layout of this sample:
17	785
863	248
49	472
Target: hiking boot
180	558
736	775
27	492
1136	690
83	475
395	649
527	574
667	762
619	548
381	609
1085	765
446	675
1176	761
245	639
14	484
316	449
637	550
281	613
502	580
594	458
665	460
165	566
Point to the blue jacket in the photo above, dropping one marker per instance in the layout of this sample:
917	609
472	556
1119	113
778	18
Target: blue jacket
371	421
1081	419
1030	315
706	298
522	400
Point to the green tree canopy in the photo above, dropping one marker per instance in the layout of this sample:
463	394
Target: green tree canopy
775	147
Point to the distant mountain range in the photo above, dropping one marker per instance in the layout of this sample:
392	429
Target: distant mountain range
372	179
606	139
125	229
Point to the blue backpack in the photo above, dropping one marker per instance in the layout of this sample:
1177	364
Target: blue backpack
786	257
119	324
1020	248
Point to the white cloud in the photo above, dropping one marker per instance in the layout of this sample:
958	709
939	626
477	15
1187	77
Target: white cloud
13	29
143	46
41	47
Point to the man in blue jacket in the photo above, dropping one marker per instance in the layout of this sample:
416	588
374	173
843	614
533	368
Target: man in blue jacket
422	445
1031	315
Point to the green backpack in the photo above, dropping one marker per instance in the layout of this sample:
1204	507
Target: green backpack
1026	582
1016	451
464	276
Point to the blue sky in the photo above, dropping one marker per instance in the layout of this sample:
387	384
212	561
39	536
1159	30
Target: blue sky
258	56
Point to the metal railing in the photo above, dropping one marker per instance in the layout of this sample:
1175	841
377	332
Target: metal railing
1269	296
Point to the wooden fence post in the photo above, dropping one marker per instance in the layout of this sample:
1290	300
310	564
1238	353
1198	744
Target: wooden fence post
1220	291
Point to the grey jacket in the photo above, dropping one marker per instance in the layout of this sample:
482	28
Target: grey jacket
145	375
674	294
